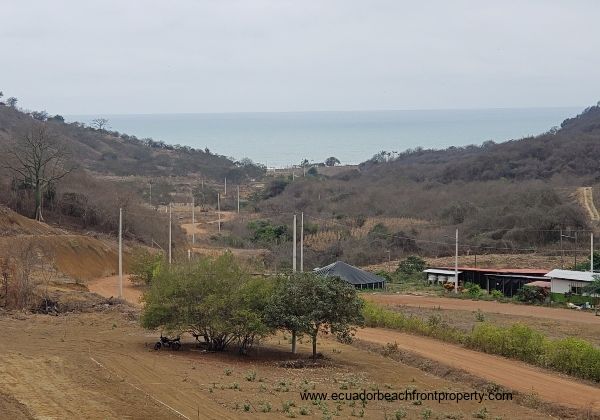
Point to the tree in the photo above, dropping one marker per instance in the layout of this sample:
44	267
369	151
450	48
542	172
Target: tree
57	118
100	124
412	264
288	307
309	303
12	102
332	161
212	298
39	161
39	115
593	289
145	266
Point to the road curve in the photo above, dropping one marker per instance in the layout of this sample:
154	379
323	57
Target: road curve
515	375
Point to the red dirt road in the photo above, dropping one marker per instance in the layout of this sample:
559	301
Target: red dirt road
511	374
109	287
485	306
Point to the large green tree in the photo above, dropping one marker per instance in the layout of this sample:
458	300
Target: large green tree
213	298
306	303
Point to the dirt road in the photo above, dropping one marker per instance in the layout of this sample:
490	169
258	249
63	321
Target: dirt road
485	306
511	374
586	198
109	287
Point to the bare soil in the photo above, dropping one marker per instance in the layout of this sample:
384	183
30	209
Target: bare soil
102	365
558	314
511	374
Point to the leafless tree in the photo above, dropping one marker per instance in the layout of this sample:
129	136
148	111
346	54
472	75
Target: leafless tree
12	102
38	160
100	123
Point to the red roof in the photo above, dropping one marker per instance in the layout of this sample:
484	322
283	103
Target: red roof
533	271
543	284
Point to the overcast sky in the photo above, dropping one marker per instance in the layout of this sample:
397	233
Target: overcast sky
125	56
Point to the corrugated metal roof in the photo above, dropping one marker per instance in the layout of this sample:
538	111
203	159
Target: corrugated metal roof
349	273
437	271
533	271
572	275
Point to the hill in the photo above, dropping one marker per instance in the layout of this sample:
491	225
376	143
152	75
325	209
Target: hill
514	196
110	152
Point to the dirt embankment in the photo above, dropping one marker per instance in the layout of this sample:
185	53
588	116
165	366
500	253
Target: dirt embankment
81	257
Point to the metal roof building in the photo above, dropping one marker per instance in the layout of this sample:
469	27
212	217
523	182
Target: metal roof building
359	278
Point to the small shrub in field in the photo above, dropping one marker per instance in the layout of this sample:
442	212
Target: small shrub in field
479	316
473	290
496	294
400	414
251	376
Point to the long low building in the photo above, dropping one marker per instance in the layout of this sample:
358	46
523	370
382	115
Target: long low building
506	280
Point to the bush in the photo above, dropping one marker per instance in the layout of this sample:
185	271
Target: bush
570	355
573	356
145	266
517	341
473	290
532	294
412	264
497	294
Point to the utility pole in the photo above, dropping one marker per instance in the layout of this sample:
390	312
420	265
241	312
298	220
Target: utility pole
120	252
576	248
193	220
294	249
592	252
219	210
225	193
302	243
170	228
151	193
238	199
389	260
562	254
456	264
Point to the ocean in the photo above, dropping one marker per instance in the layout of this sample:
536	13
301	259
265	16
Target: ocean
279	139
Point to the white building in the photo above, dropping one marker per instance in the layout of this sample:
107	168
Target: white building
435	275
563	281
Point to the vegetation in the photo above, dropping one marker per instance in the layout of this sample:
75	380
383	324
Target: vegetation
570	355
307	303
593	289
532	180
37	162
213	299
145	266
219	301
412	264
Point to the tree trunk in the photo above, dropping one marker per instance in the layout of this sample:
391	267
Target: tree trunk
38	202
294	342
314	346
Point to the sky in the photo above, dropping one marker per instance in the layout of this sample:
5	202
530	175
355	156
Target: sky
115	56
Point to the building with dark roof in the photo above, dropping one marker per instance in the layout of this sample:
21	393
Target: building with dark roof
359	278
